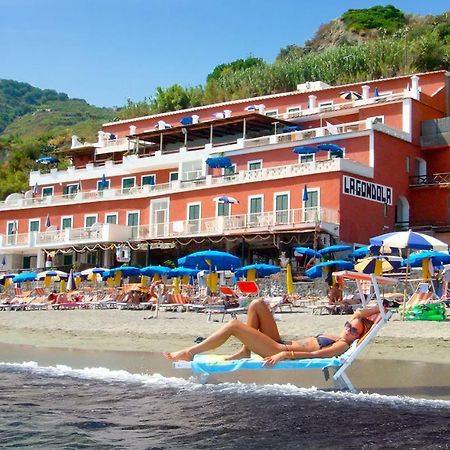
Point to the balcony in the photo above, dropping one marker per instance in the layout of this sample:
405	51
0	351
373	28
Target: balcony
271	221
437	179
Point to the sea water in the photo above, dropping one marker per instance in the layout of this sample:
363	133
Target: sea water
54	406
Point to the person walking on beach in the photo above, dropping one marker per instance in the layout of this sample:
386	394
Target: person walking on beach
261	336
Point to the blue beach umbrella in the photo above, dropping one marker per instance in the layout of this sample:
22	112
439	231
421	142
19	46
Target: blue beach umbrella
150	271
262	270
305	197
211	260
24	276
334	249
437	258
226	199
359	252
291	128
305	150
104	182
338	264
307	251
219	162
182	272
127	271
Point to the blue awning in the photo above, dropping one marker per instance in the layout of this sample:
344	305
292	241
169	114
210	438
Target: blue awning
219	162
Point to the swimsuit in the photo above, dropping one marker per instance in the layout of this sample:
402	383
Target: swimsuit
324	341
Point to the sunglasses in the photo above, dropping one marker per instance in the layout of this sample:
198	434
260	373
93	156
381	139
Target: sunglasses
353	330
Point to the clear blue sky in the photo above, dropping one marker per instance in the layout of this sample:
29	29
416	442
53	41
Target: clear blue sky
106	51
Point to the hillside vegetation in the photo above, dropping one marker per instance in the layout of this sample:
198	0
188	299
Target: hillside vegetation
360	45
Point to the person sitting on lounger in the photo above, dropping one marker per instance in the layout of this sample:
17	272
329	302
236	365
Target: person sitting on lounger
261	336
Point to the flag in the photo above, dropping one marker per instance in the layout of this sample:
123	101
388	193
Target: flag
47	221
3	260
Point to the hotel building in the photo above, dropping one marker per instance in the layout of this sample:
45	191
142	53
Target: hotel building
148	188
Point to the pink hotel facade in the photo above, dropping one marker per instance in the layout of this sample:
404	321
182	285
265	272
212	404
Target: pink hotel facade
146	188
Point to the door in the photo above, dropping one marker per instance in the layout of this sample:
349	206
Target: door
194	218
255	210
159	217
311	207
133	222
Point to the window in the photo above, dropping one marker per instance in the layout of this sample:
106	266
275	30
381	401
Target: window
173	176
255	209
90	220
377	119
310	206
326	105
306	159
133	222
194	218
67	260
148	180
255	165
272	113
66	222
191	170
11	231
128	183
229	170
47	191
34	225
408	164
293	112
111	218
102	185
281	208
223	209
70	190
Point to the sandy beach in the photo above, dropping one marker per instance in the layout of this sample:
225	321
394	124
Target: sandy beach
125	330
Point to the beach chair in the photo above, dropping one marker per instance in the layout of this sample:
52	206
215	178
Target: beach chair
204	364
175	302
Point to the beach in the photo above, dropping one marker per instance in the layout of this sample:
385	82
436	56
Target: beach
141	331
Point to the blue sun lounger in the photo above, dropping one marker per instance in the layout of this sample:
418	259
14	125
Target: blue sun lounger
204	365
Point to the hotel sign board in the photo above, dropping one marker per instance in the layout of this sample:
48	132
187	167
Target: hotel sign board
367	190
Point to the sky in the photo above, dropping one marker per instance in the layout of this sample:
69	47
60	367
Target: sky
106	51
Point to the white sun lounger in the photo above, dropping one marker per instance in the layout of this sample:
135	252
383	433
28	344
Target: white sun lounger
204	365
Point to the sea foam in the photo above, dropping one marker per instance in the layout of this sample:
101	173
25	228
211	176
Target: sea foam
155	380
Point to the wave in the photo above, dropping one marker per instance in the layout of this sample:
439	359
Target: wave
102	374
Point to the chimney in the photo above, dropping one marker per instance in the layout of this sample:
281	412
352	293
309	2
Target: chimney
132	130
365	92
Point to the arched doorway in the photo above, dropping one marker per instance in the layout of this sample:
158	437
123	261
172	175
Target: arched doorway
402	214
420	170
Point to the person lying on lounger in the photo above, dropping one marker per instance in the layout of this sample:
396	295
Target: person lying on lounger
261	336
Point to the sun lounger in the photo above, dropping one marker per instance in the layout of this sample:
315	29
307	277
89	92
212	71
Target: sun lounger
203	365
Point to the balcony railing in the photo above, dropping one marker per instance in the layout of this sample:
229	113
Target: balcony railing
430	180
283	220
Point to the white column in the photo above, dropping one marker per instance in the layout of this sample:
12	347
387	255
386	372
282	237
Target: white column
132	130
365	92
40	260
312	101
106	258
415	87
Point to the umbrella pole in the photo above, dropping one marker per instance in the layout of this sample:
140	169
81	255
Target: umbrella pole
405	288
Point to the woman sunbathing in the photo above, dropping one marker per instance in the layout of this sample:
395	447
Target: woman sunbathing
260	335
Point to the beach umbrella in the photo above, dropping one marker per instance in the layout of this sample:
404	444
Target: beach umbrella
219	162
125	271
305	150
306	251
188	120
261	270
291	128
226	199
334	149
55	275
182	272
211	260
47	221
305	196
334	265
437	258
3	260
35	188
93	271
334	249
150	271
71	285
350	95
359	252
24	276
410	240
378	264
47	160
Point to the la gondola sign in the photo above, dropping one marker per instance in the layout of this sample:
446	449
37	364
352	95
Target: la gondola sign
367	190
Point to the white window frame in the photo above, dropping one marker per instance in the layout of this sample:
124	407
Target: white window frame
148	175
293	111
275	194
272	113
62	220
260	161
230	205
7	227
44	188
38	220
326	104
90	215
307	162
115	214
229	174
249	198
170	176
188	220
69	194
134	212
98	185
127	189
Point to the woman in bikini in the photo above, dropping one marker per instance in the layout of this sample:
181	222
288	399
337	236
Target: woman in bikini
261	336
